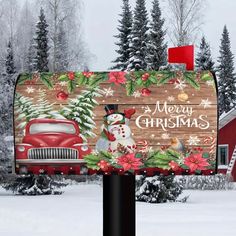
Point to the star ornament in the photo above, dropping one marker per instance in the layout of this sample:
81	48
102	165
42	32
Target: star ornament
205	103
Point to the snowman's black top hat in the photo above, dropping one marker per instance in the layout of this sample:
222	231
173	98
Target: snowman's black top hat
111	109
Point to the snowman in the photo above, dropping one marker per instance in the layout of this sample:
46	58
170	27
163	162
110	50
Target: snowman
116	131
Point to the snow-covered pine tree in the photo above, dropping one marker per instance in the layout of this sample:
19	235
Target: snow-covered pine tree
24	109
204	59
157	189
226	75
41	46
31	58
34	185
157	48
81	108
61	50
44	108
139	37
9	63
124	36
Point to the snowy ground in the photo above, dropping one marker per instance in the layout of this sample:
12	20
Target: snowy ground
78	212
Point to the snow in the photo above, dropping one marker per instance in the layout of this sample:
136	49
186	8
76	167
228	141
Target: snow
79	212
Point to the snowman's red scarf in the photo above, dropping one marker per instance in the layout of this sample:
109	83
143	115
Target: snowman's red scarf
120	122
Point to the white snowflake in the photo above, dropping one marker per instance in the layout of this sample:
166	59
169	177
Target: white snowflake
180	85
108	92
137	94
193	140
210	83
170	98
30	90
165	136
205	103
63	83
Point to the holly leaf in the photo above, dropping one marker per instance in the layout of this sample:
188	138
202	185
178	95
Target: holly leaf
130	87
82	80
153	79
139	82
198	172
24	77
207	76
165	78
206	155
184	167
70	86
63	77
45	78
95	80
106	155
190	78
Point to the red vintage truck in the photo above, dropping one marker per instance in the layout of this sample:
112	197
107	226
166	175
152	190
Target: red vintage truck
51	146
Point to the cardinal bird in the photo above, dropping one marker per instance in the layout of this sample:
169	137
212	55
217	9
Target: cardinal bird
177	145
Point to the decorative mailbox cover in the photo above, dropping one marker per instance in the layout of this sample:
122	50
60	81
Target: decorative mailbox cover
116	122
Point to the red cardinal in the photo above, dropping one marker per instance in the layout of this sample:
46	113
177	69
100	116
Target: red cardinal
128	113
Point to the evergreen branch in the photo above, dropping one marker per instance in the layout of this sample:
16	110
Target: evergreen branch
190	78
45	78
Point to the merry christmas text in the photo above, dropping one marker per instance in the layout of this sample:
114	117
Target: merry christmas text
176	116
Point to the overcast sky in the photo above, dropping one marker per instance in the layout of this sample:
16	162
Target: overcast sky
100	22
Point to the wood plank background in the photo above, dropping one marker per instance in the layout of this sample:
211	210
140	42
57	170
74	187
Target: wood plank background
154	136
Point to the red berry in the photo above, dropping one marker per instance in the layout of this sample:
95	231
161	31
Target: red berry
88	74
71	75
104	165
62	96
145	92
145	77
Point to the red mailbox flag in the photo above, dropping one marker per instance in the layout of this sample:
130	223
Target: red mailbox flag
183	55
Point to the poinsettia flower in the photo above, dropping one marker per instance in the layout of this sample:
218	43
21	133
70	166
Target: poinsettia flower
196	162
129	162
117	77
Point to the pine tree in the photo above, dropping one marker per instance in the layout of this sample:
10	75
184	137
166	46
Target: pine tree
227	89
157	48
125	27
139	38
34	185
30	60
204	59
80	109
10	65
61	51
26	110
157	189
42	43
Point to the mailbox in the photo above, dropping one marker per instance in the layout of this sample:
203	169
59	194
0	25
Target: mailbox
141	122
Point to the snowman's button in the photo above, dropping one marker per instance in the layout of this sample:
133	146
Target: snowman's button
120	125
123	136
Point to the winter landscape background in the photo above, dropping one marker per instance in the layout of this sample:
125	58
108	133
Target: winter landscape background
79	35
